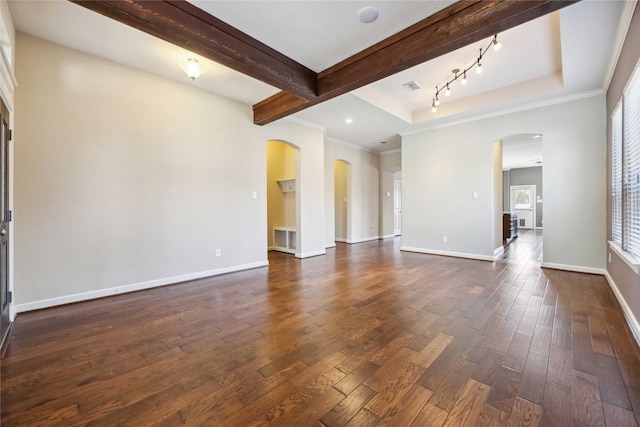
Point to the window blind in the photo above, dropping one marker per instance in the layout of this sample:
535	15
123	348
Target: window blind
616	172
631	164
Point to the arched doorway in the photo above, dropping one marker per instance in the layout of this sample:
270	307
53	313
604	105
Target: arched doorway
342	196
283	201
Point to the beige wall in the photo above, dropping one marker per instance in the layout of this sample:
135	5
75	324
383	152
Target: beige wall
126	180
364	203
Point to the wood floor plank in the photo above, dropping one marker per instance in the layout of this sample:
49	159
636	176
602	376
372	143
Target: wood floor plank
468	406
366	335
524	413
557	406
587	406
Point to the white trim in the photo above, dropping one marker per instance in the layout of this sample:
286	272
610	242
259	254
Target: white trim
330	246
632	321
363	239
310	254
623	29
306	123
527	107
397	150
84	296
576	268
447	253
387	236
350	145
628	258
497	252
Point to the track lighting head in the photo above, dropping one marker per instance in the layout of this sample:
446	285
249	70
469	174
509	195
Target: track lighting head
496	44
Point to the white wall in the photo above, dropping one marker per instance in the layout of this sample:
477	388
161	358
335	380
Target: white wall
443	167
126	180
364	192
390	166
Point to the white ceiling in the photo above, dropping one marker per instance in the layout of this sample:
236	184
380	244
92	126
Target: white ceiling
560	56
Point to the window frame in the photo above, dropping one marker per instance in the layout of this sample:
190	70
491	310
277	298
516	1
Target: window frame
624	209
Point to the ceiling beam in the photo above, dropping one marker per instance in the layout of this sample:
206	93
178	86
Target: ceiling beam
456	26
184	25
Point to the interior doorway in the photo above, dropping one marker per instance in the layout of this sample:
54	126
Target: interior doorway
282	197
397	208
522	186
522	202
342	202
5	217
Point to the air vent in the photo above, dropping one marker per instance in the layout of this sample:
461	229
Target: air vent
411	86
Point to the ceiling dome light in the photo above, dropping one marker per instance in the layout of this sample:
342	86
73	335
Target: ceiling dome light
368	14
192	67
348	120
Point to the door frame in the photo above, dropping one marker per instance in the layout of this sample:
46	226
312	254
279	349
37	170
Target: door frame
5	224
397	231
533	201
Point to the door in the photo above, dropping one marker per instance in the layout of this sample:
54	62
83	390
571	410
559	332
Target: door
4	221
523	202
397	208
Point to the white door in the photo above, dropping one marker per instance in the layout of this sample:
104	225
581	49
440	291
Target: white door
523	202
397	208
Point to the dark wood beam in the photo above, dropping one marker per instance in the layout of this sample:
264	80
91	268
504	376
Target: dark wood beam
182	24
456	26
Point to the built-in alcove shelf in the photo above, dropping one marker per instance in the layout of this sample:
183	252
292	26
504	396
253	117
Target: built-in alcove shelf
287	185
284	239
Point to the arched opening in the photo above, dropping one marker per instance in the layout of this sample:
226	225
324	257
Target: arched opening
283	201
341	182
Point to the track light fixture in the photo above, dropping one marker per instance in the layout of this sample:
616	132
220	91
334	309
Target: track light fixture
457	73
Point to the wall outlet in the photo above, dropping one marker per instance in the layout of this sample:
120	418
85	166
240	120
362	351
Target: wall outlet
444	239
371	229
254	194
475	194
218	252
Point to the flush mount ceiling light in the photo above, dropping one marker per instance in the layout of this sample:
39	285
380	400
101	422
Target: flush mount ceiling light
348	120
192	67
368	14
458	73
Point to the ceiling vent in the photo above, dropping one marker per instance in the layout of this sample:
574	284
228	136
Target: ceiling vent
411	86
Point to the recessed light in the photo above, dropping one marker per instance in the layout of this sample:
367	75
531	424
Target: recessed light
348	120
368	14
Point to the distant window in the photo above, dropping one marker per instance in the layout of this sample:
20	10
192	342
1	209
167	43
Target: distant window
523	199
625	168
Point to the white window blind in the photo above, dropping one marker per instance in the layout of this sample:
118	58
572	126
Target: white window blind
631	165
616	172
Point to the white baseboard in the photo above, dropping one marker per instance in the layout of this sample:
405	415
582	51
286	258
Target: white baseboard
632	321
310	254
498	251
330	246
388	236
447	253
576	268
364	239
84	296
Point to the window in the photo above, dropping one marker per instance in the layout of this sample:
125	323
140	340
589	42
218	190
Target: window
625	170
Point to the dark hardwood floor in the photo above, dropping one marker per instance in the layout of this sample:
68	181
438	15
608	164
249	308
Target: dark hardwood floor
364	336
